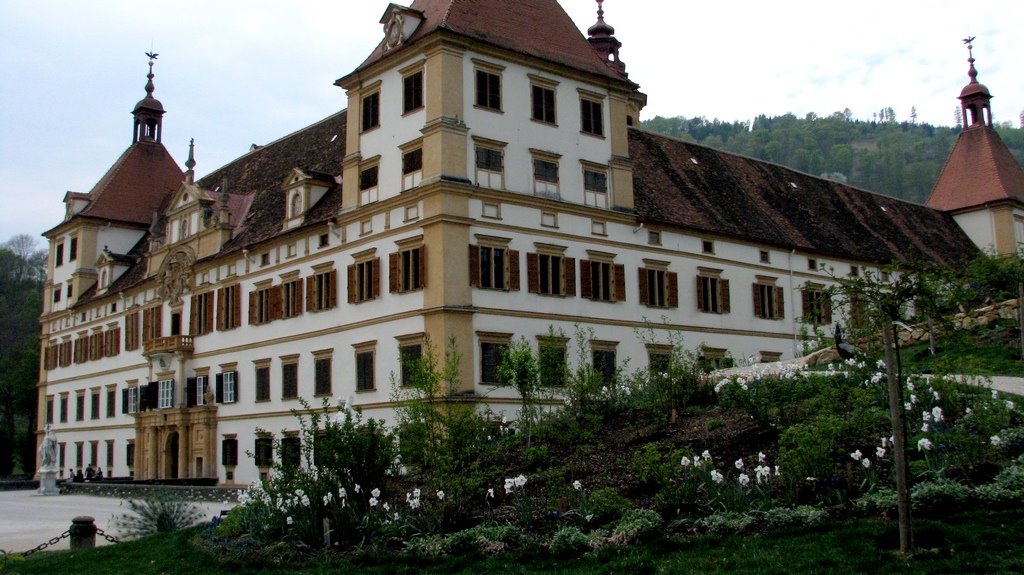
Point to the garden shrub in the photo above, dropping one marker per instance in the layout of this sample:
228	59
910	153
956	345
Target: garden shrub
487	539
801	516
604	505
569	541
1011	478
635	525
995	496
811	449
878	502
937	497
726	523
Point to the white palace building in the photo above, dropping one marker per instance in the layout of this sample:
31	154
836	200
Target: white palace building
487	181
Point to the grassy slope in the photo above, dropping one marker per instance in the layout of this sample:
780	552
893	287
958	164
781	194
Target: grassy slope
977	542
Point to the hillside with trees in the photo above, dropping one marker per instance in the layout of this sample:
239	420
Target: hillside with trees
901	159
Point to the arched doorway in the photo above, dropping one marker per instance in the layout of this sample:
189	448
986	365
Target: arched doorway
171	456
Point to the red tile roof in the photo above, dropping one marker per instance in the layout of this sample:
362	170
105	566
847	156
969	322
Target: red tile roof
138	183
980	170
539	28
719	193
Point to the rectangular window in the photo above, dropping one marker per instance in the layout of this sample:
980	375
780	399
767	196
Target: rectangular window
49	409
199	389
550	274
166	399
201	314
591	118
94	453
73	250
63	409
152	323
490	358
368	189
79	454
654	292
112	342
129	455
712	294
291	451
552	361
259	306
56	295
409	355
765	256
289	381
111	402
488	90
229	452
407	270
80	407
131	331
543	104
322	376
490	168
364	280
227	387
604	364
817	306
707	246
768	301
263	452
493	267
291	295
58	258
595	188
263	383
364	370
812	264
321	290
371	111
94	406
70	291
412	168
110	453
412	92
545	171
131	400
229	307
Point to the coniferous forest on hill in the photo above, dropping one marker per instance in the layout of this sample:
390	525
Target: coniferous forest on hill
900	159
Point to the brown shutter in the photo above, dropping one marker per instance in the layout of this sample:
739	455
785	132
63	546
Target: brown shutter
805	303
393	273
474	265
332	289
298	296
620	282
208	302
237	301
147	329
193	315
252	308
311	293
672	289
700	293
569	281
512	262
642	283
780	302
221	309
758	311
423	267
276	302
586	280
723	295
376	277
352	283
532	273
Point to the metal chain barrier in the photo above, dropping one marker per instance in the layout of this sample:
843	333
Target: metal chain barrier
42	546
110	538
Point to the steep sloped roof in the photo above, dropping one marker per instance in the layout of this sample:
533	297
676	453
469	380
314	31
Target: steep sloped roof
138	183
258	176
715	192
980	170
539	28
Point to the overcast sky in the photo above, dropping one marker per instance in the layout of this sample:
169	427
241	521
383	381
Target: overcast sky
231	74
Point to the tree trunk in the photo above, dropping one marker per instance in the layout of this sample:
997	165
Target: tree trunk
899	432
931	334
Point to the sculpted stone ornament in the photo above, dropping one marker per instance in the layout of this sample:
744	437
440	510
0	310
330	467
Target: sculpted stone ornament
48	464
176	277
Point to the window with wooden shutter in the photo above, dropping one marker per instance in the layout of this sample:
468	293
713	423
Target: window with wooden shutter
229	307
322	290
712	292
817	308
291	298
364	280
658	288
131	331
769	300
407	269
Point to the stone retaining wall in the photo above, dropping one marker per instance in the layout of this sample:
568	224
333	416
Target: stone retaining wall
135	491
979	317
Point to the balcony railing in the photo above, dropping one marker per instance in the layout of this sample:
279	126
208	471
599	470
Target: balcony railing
171	344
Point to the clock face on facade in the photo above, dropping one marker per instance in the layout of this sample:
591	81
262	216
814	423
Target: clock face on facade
393	32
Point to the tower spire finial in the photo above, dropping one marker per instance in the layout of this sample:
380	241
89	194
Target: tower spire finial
971	72
149	84
190	163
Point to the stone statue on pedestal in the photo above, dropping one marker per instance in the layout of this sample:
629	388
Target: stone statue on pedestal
48	463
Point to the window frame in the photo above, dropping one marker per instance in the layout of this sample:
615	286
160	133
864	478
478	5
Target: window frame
290	377
489	163
369	183
369	110
490	346
487	86
261	378
595	196
769	299
592	114
165	391
322	362
712	292
364	277
544	111
365	357
412	91
545	183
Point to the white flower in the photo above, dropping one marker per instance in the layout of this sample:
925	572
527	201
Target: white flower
913	398
937	414
924	427
744	479
416	493
386	507
936	395
440	495
924	444
490	493
375	492
289	520
879	452
717	477
762	472
342	493
968	411
328	498
685	461
885	442
907	406
358	489
866	463
520	480
577	485
761	457
706	455
926	416
1010	405
910	384
373	502
739	463
995	440
995	394
856	455
777	472
510	484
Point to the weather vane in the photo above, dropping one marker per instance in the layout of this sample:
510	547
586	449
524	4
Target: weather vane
152	55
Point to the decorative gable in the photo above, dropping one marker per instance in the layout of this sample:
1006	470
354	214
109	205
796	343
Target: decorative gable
302	191
399	24
191	212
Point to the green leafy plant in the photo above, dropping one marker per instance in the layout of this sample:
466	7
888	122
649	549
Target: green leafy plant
157	514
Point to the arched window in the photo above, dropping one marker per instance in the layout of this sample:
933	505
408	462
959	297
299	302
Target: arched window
296	204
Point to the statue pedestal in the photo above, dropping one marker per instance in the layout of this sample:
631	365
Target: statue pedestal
48	483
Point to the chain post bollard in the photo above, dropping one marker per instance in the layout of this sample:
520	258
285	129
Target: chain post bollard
83	533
